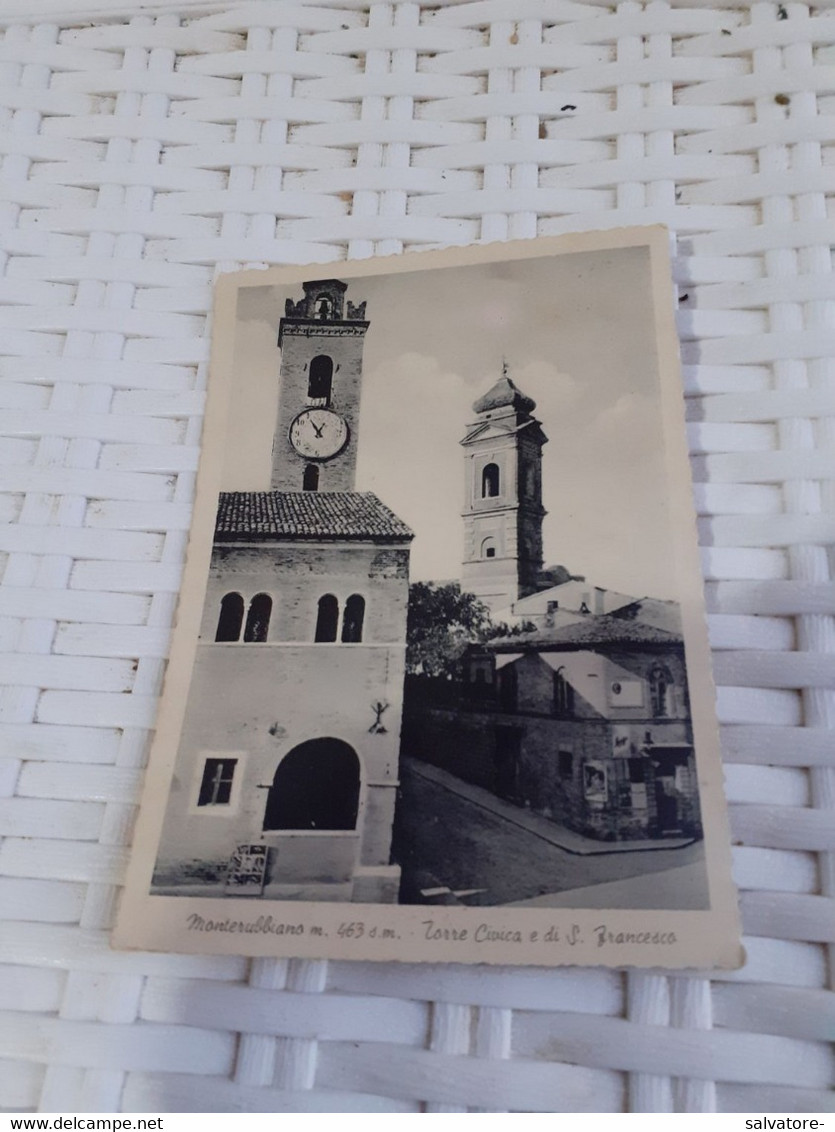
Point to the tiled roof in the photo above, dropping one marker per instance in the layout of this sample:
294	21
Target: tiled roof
260	516
590	631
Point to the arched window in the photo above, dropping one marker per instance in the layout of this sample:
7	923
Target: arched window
490	481
258	619
231	618
327	619
310	480
352	619
660	683
323	307
316	786
488	548
320	379
563	697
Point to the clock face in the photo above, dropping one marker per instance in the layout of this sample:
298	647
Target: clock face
318	434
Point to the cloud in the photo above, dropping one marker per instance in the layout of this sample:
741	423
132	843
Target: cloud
554	391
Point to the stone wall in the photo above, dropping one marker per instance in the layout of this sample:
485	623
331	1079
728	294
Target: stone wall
297	576
549	776
257	702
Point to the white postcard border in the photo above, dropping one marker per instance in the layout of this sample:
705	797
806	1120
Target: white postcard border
409	933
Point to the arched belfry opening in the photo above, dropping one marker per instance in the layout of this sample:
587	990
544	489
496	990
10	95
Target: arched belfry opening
320	380
316	786
490	481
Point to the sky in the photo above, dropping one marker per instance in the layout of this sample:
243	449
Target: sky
577	335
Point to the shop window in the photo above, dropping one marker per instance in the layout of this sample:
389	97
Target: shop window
637	770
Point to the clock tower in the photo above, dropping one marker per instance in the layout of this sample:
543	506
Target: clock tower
288	765
321	339
503	509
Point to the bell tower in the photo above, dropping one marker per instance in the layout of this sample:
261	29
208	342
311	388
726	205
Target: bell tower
503	509
321	338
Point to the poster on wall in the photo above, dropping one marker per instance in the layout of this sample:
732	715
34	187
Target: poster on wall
440	685
595	782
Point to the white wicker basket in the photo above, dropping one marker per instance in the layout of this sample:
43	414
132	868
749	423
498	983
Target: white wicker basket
142	154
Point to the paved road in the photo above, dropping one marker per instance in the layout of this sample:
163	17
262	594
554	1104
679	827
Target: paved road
446	843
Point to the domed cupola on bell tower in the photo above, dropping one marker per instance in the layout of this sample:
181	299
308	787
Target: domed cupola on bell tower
503	509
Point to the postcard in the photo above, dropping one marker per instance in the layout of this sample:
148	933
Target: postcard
440	688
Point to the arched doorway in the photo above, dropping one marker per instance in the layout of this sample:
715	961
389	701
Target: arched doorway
316	786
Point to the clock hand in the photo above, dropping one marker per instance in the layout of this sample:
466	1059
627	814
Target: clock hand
319	430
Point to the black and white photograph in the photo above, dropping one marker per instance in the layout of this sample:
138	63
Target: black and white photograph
447	639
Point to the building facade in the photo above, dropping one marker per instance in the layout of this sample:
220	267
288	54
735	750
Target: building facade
588	725
287	768
583	715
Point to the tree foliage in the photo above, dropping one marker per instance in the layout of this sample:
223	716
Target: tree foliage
502	629
443	621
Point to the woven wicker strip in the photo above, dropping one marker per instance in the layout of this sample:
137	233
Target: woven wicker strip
142	155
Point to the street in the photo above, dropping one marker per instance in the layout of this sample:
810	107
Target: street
454	851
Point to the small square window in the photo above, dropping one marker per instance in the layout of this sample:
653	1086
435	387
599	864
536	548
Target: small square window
216	785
